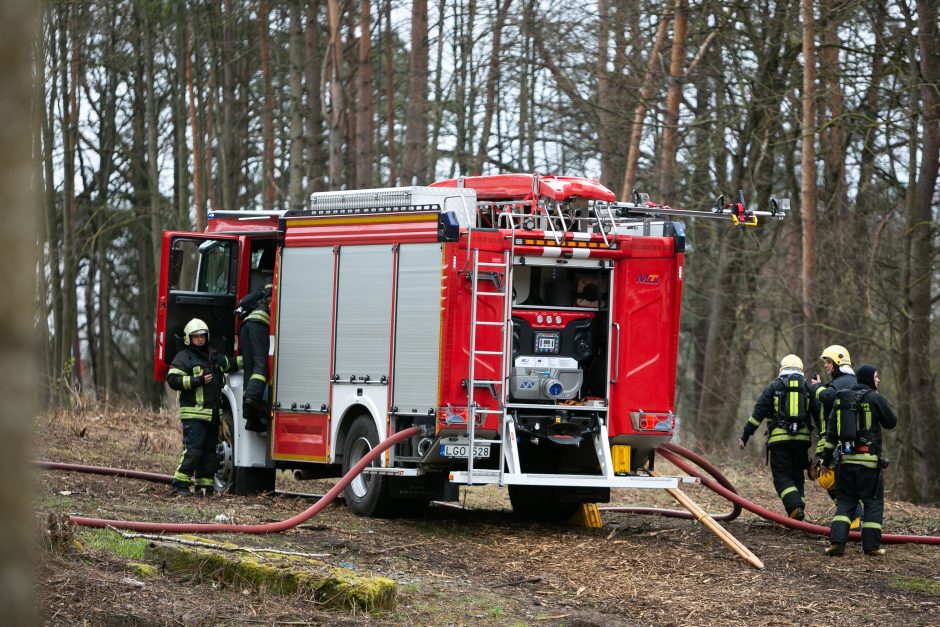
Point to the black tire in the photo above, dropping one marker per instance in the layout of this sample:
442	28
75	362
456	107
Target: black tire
540	504
367	495
233	479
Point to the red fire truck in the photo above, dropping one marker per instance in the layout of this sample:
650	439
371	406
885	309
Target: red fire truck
528	323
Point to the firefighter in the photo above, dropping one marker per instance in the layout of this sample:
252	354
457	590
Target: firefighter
838	365
197	373
788	405
255	342
855	428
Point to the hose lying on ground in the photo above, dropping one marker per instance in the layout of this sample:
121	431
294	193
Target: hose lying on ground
274	527
672	453
701	462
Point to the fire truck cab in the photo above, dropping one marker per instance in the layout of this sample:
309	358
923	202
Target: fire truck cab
526	322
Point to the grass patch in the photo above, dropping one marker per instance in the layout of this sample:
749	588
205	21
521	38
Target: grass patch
915	584
131	548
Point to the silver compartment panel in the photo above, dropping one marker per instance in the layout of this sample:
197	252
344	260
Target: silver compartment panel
305	308
417	328
364	312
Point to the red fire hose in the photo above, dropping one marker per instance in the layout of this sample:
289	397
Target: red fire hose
274	527
670	452
701	462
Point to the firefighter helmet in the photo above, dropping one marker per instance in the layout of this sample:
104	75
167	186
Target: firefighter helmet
791	363
194	327
838	354
826	478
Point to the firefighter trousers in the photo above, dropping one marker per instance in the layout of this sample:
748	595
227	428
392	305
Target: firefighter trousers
788	463
198	462
855	483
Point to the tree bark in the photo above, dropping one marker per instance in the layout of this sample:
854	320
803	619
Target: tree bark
335	73
268	188
414	154
228	161
492	73
636	130
295	188
390	140
923	229
365	103
197	137
18	349
316	169
667	183
808	184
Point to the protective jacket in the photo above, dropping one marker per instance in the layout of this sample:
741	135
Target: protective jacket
767	407
255	343
198	399
874	414
826	395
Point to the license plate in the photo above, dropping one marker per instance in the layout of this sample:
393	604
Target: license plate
462	450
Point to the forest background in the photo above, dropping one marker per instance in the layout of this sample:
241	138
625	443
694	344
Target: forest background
151	113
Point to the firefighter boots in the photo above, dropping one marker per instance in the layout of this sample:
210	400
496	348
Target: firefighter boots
836	549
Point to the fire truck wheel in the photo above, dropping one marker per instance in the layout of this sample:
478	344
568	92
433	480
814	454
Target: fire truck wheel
233	479
538	503
224	480
367	495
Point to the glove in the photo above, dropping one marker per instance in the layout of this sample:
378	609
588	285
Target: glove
199	380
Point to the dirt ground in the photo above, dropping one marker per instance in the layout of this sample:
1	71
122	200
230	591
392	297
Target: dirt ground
474	564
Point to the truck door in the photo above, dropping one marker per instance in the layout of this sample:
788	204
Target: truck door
198	279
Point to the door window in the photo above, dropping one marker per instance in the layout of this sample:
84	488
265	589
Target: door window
202	266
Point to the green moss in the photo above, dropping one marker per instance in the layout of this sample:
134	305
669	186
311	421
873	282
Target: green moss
144	570
112	542
915	584
334	587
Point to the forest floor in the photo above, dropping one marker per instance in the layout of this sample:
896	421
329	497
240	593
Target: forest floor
473	566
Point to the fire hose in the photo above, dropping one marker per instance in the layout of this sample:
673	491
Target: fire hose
274	527
672	453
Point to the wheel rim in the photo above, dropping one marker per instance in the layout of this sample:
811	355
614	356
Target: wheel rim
225	472
361	484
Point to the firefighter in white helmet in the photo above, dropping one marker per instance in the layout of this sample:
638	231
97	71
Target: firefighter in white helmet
197	373
788	405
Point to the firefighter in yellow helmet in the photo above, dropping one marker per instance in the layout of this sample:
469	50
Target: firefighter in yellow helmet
859	416
788	405
197	373
838	366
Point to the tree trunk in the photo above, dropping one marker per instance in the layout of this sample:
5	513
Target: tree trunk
295	188
197	138
636	130
414	154
667	171
267	117
18	349
180	119
316	169
808	185
69	45
923	229
492	72
228	161
335	73
365	103
390	97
